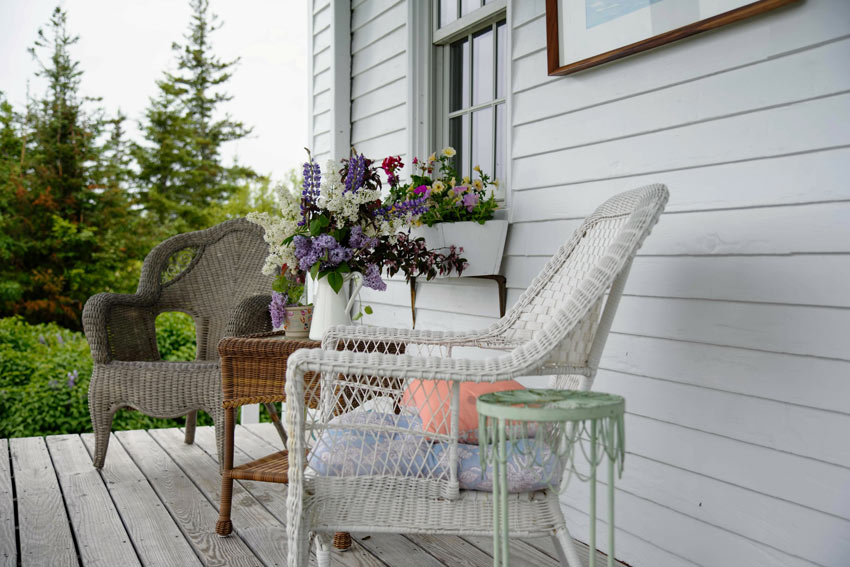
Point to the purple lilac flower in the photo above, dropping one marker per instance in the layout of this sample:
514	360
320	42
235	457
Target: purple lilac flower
358	240
356	169
277	308
306	253
372	278
339	255
469	201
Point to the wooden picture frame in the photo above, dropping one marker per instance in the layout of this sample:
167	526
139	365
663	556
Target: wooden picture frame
553	34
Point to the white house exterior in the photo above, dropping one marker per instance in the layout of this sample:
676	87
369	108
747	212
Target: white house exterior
732	341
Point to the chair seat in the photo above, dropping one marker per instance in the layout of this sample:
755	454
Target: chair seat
407	451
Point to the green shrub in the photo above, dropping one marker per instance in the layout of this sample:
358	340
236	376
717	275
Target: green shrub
45	372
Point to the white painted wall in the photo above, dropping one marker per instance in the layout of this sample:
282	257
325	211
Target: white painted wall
732	343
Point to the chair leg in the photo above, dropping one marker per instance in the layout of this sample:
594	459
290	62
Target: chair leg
567	553
342	541
191	422
323	550
101	419
219	420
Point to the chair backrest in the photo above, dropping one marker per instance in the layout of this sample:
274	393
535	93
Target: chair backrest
560	323
207	274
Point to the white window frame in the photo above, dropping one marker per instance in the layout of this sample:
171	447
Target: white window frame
428	66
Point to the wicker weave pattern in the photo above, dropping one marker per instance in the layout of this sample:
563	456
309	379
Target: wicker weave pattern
557	327
224	291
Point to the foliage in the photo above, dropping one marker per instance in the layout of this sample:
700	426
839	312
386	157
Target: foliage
180	169
436	180
45	372
67	224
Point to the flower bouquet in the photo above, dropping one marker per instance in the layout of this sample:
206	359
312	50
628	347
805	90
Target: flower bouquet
340	226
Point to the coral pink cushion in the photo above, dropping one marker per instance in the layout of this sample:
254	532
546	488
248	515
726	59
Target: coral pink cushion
433	400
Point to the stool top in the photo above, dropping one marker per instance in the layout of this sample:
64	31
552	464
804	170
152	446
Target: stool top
550	405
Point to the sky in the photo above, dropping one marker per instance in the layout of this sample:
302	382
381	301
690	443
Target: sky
125	45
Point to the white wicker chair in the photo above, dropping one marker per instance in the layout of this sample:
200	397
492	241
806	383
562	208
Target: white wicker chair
557	328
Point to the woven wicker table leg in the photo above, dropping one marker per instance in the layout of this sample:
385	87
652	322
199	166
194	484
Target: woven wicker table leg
342	540
224	526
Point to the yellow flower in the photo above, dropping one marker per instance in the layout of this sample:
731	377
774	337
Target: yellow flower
432	157
465	180
437	187
495	182
477	184
477	168
452	182
449	151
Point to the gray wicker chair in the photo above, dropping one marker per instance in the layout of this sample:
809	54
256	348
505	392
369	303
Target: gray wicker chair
214	276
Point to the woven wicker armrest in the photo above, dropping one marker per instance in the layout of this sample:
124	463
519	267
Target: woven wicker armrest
249	317
120	327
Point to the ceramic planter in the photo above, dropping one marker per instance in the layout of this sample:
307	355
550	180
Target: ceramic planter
298	318
482	244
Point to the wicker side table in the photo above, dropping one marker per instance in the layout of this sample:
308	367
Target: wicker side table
564	419
253	371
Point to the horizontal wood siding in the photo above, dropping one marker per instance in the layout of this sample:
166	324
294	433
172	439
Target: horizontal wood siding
321	87
731	342
379	77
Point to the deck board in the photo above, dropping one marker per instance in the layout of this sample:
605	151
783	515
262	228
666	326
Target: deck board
194	515
156	537
264	534
249	446
44	530
156	500
101	537
8	548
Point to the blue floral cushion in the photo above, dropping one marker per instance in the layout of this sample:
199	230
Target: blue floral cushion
348	451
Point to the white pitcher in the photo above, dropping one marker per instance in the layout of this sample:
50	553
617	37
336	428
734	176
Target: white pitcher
331	308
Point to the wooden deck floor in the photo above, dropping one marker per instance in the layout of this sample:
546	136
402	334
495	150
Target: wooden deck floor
155	503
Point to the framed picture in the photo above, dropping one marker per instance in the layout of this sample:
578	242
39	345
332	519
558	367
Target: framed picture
585	33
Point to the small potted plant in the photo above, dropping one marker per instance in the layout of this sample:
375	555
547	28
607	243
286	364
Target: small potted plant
288	308
459	210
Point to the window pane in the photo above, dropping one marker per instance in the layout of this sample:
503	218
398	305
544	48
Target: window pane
448	11
459	140
482	67
501	143
482	139
466	6
459	75
501	59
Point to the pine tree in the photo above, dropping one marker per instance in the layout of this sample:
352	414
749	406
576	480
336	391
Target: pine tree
180	169
74	230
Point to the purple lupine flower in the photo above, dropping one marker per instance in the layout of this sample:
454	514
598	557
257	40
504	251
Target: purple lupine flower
469	201
413	207
358	240
312	175
372	278
277	308
72	377
356	170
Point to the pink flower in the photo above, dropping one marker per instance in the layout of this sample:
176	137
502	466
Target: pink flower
469	201
459	189
422	190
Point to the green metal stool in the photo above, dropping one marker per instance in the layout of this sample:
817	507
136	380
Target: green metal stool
565	419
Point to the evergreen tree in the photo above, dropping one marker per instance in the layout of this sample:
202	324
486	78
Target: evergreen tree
65	209
180	169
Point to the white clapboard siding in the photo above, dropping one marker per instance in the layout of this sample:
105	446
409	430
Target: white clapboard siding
730	343
379	84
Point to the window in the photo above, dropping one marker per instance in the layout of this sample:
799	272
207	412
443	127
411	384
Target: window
471	79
